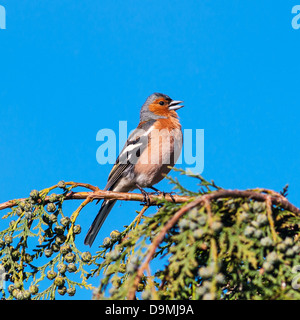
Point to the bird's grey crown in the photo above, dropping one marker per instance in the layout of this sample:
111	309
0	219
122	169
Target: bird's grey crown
145	113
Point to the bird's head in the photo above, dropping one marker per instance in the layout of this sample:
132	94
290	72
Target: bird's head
159	105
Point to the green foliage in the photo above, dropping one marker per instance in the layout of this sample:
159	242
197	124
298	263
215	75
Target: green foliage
235	248
39	244
233	255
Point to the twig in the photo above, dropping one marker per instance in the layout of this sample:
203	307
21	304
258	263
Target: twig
84	185
275	199
139	217
271	221
75	215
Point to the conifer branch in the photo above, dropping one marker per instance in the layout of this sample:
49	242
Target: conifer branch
208	234
276	199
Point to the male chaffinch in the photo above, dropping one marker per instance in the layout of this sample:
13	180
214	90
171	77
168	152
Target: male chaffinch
150	150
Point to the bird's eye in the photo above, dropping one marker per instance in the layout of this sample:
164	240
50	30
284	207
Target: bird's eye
161	103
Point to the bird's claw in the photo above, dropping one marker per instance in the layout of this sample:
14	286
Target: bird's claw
167	193
146	198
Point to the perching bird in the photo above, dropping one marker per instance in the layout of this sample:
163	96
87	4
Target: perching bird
150	150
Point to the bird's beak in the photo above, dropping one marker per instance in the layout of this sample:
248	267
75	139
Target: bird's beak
174	105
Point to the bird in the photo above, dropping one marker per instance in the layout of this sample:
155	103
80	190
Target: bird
150	152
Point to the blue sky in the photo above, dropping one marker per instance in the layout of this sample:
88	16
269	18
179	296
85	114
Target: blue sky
70	68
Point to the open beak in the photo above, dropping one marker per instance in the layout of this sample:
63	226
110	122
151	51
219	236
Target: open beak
174	105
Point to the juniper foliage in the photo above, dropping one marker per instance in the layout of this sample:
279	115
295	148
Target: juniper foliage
231	248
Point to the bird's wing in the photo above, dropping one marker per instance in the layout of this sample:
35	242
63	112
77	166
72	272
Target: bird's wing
134	146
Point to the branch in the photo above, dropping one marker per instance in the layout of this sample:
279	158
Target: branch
275	198
107	195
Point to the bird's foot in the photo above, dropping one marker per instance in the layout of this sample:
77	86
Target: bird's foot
163	193
169	194
146	200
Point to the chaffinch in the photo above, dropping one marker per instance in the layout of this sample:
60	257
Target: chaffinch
150	150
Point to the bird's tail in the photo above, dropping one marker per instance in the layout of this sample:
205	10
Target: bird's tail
105	209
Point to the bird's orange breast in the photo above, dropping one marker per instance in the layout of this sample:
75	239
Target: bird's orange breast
164	147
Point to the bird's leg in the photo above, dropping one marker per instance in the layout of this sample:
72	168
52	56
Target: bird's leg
156	190
145	194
